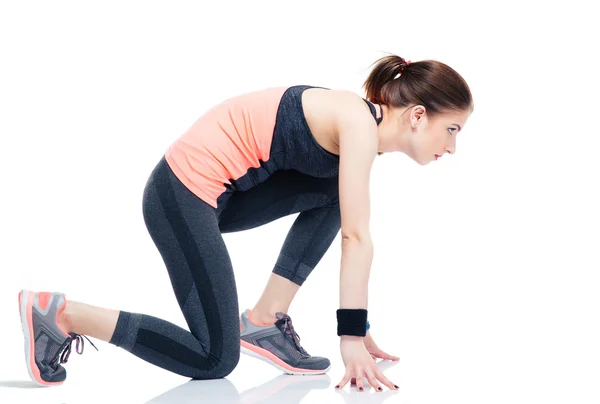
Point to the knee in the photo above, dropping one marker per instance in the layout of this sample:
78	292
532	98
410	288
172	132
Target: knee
219	366
227	364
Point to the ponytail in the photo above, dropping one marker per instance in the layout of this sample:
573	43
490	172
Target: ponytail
386	69
396	82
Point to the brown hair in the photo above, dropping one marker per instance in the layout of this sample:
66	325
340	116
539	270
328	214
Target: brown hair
430	83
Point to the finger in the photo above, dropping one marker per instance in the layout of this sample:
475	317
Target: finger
344	381
360	385
383	355
371	377
379	375
374	357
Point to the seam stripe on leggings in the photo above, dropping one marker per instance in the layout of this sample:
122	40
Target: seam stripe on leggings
188	234
187	243
153	340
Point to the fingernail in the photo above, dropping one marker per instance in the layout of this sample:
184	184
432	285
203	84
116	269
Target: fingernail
360	389
337	387
396	386
379	388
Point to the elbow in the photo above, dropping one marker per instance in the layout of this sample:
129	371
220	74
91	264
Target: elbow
361	237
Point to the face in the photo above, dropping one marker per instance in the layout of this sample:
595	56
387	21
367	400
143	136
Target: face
430	139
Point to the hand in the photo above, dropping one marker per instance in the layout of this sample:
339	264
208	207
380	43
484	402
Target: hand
359	364
374	350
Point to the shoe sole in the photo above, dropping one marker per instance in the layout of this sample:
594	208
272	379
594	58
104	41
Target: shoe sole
268	357
25	310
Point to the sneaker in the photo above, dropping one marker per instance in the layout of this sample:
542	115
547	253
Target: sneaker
47	345
279	345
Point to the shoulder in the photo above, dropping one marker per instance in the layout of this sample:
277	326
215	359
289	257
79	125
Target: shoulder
343	108
354	126
352	109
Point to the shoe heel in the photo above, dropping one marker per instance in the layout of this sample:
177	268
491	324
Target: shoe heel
25	306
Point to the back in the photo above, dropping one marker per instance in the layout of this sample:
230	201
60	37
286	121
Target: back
240	142
225	142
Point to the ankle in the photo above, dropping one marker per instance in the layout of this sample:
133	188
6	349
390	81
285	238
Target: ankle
64	317
260	316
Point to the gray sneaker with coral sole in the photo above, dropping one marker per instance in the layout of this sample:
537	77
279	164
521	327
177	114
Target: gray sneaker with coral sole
47	345
279	345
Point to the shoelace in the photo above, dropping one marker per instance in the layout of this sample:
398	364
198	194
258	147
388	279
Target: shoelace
288	328
62	356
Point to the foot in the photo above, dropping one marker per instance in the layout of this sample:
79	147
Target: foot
47	344
279	345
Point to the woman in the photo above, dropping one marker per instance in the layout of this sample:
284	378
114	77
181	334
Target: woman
247	161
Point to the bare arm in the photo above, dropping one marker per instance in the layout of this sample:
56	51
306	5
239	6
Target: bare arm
358	148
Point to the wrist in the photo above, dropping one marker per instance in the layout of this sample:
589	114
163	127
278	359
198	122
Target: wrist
352	322
351	339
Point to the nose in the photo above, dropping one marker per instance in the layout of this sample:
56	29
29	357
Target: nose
451	147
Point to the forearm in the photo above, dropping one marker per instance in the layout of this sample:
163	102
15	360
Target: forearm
357	257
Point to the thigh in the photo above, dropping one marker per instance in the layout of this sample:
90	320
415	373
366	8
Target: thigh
186	233
284	193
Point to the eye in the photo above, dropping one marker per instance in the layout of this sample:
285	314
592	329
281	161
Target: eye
450	130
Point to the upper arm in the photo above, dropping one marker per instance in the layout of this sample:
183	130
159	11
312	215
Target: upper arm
357	138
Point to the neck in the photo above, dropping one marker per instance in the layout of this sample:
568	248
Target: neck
394	134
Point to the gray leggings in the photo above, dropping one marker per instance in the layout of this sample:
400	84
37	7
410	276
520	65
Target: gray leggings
187	232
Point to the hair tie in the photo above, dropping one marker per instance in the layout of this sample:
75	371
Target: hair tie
405	66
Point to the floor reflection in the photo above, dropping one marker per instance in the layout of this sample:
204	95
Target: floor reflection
282	389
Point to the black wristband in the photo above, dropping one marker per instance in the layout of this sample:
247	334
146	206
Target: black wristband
352	322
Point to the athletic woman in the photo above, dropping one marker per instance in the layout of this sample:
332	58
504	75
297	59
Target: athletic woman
247	161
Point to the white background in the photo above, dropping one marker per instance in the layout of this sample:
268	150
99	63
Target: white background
486	271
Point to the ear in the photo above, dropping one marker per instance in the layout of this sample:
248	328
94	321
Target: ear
417	115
